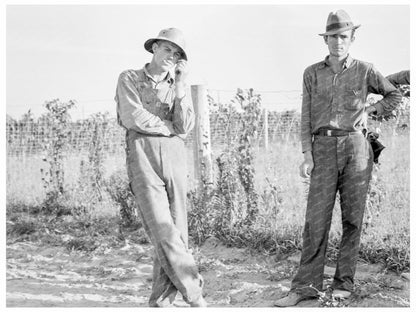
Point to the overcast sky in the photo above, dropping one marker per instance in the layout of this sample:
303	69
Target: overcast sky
77	51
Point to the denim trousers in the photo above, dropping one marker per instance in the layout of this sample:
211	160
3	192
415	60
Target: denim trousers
157	173
341	164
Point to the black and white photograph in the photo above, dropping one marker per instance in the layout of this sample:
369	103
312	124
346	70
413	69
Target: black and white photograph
207	155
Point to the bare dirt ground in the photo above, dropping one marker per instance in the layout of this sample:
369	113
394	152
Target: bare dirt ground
47	275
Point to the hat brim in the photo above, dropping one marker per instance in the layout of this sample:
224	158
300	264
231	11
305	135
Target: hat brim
339	30
149	43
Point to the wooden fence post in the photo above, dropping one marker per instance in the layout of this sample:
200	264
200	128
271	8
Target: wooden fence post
202	138
266	128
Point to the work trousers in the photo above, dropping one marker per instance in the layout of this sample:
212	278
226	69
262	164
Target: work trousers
157	173
342	164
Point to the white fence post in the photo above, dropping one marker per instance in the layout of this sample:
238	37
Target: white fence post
202	137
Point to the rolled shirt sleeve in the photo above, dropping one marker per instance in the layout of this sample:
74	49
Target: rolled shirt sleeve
132	115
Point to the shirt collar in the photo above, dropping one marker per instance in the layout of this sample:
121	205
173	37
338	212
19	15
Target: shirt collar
347	62
168	77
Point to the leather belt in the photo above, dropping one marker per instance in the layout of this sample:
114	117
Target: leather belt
335	132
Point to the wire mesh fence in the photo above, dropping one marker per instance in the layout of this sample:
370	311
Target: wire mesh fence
29	139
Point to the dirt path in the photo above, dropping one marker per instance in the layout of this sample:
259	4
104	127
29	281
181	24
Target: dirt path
40	275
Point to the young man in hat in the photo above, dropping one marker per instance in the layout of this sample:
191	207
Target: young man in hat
337	156
153	107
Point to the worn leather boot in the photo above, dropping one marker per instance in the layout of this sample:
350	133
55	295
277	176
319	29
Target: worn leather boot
291	299
341	294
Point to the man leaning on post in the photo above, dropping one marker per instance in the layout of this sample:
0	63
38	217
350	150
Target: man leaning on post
337	156
153	107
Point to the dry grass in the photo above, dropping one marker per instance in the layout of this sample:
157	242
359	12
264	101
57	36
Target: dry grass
387	231
282	199
280	166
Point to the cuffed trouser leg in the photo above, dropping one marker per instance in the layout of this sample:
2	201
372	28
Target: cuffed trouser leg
157	173
163	291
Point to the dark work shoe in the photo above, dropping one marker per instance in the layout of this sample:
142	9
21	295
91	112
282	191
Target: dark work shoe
291	299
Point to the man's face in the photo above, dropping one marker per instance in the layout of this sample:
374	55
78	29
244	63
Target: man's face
339	44
166	54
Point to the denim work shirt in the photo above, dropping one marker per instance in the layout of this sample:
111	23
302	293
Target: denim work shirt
337	100
152	108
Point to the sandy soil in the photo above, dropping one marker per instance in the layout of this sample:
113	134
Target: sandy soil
41	275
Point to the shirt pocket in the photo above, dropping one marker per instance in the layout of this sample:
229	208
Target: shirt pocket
353	99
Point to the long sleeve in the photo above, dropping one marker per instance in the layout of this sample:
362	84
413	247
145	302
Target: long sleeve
132	115
378	84
400	78
183	116
306	132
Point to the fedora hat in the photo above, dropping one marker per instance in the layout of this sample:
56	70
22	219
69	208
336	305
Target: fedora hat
172	35
338	22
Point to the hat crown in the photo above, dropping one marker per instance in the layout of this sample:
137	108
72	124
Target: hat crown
338	19
174	35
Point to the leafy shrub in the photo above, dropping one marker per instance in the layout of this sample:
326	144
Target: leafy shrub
119	189
233	204
55	146
21	227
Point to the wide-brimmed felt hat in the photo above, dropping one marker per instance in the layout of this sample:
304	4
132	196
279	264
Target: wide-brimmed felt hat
338	22
172	35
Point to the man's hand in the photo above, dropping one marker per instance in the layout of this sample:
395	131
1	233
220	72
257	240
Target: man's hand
169	130
181	72
307	166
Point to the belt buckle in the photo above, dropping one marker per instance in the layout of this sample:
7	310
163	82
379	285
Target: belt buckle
329	132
